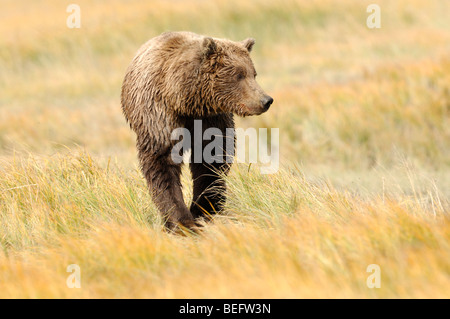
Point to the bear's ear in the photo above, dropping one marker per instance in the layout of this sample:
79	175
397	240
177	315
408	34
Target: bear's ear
209	46
248	44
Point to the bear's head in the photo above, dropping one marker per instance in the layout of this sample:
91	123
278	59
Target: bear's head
230	73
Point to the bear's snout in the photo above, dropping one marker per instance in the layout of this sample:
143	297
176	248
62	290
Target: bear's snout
266	102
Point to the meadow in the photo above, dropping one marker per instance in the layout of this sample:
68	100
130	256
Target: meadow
364	125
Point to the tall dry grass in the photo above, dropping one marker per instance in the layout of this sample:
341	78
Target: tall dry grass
282	236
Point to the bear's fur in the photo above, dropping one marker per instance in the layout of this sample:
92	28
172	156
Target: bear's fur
174	79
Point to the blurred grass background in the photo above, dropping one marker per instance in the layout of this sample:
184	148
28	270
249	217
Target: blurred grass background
364	142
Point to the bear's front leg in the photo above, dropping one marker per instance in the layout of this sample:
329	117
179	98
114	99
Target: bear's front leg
207	174
163	180
209	189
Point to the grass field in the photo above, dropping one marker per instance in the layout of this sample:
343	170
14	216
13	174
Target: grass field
364	119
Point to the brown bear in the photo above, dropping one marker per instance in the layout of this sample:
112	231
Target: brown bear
175	79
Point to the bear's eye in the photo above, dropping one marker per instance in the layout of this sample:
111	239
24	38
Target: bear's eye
240	75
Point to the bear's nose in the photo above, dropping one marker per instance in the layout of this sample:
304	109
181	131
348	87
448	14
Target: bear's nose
266	102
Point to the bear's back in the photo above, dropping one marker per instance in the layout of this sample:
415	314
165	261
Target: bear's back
163	67
165	45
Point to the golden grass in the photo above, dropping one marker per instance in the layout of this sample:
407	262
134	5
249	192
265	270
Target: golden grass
282	237
364	142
